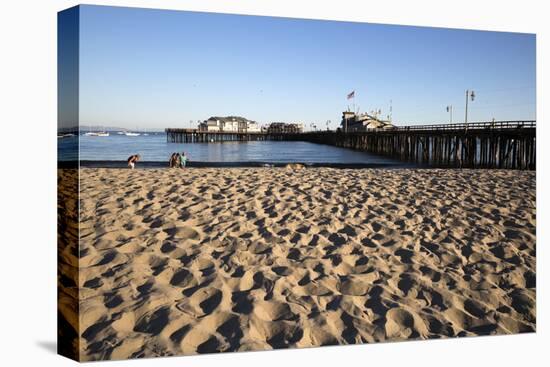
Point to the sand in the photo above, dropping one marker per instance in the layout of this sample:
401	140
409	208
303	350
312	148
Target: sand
67	263
234	259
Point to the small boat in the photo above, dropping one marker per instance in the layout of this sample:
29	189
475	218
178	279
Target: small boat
120	132
96	133
132	134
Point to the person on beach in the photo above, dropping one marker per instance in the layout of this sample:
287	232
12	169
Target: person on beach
132	160
172	162
183	160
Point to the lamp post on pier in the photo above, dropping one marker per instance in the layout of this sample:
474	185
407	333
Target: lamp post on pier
469	94
450	110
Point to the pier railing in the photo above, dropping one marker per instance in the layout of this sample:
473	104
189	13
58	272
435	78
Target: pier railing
491	125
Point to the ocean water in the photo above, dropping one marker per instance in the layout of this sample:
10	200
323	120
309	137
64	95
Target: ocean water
154	148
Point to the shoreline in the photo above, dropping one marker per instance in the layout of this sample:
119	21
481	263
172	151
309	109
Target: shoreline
242	164
252	164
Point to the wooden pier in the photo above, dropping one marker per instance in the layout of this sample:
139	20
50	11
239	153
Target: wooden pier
496	144
198	136
503	144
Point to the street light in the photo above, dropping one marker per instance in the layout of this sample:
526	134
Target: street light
450	110
471	94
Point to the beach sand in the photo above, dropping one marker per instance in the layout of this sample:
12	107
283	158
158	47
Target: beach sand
186	261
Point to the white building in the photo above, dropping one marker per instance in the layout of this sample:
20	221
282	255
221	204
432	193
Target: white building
212	124
253	127
230	124
352	122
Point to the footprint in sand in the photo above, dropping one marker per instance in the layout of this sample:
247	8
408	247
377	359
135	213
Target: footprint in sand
182	232
153	322
401	323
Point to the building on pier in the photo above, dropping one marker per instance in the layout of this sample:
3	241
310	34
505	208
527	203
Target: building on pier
285	128
229	124
352	122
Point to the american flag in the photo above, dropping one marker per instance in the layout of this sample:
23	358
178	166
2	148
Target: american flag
351	95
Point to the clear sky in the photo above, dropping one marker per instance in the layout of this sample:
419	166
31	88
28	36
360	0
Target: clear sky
155	68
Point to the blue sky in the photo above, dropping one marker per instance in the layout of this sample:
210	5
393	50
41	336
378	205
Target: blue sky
156	68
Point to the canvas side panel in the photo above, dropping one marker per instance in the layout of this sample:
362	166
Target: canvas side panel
67	183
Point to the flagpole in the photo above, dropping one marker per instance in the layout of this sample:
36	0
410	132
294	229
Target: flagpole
349	96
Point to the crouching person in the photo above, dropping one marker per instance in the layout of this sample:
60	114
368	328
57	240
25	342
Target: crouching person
132	160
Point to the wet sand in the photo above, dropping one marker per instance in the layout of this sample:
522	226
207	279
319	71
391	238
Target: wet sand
226	259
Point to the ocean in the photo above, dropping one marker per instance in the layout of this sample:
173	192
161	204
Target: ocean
155	148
